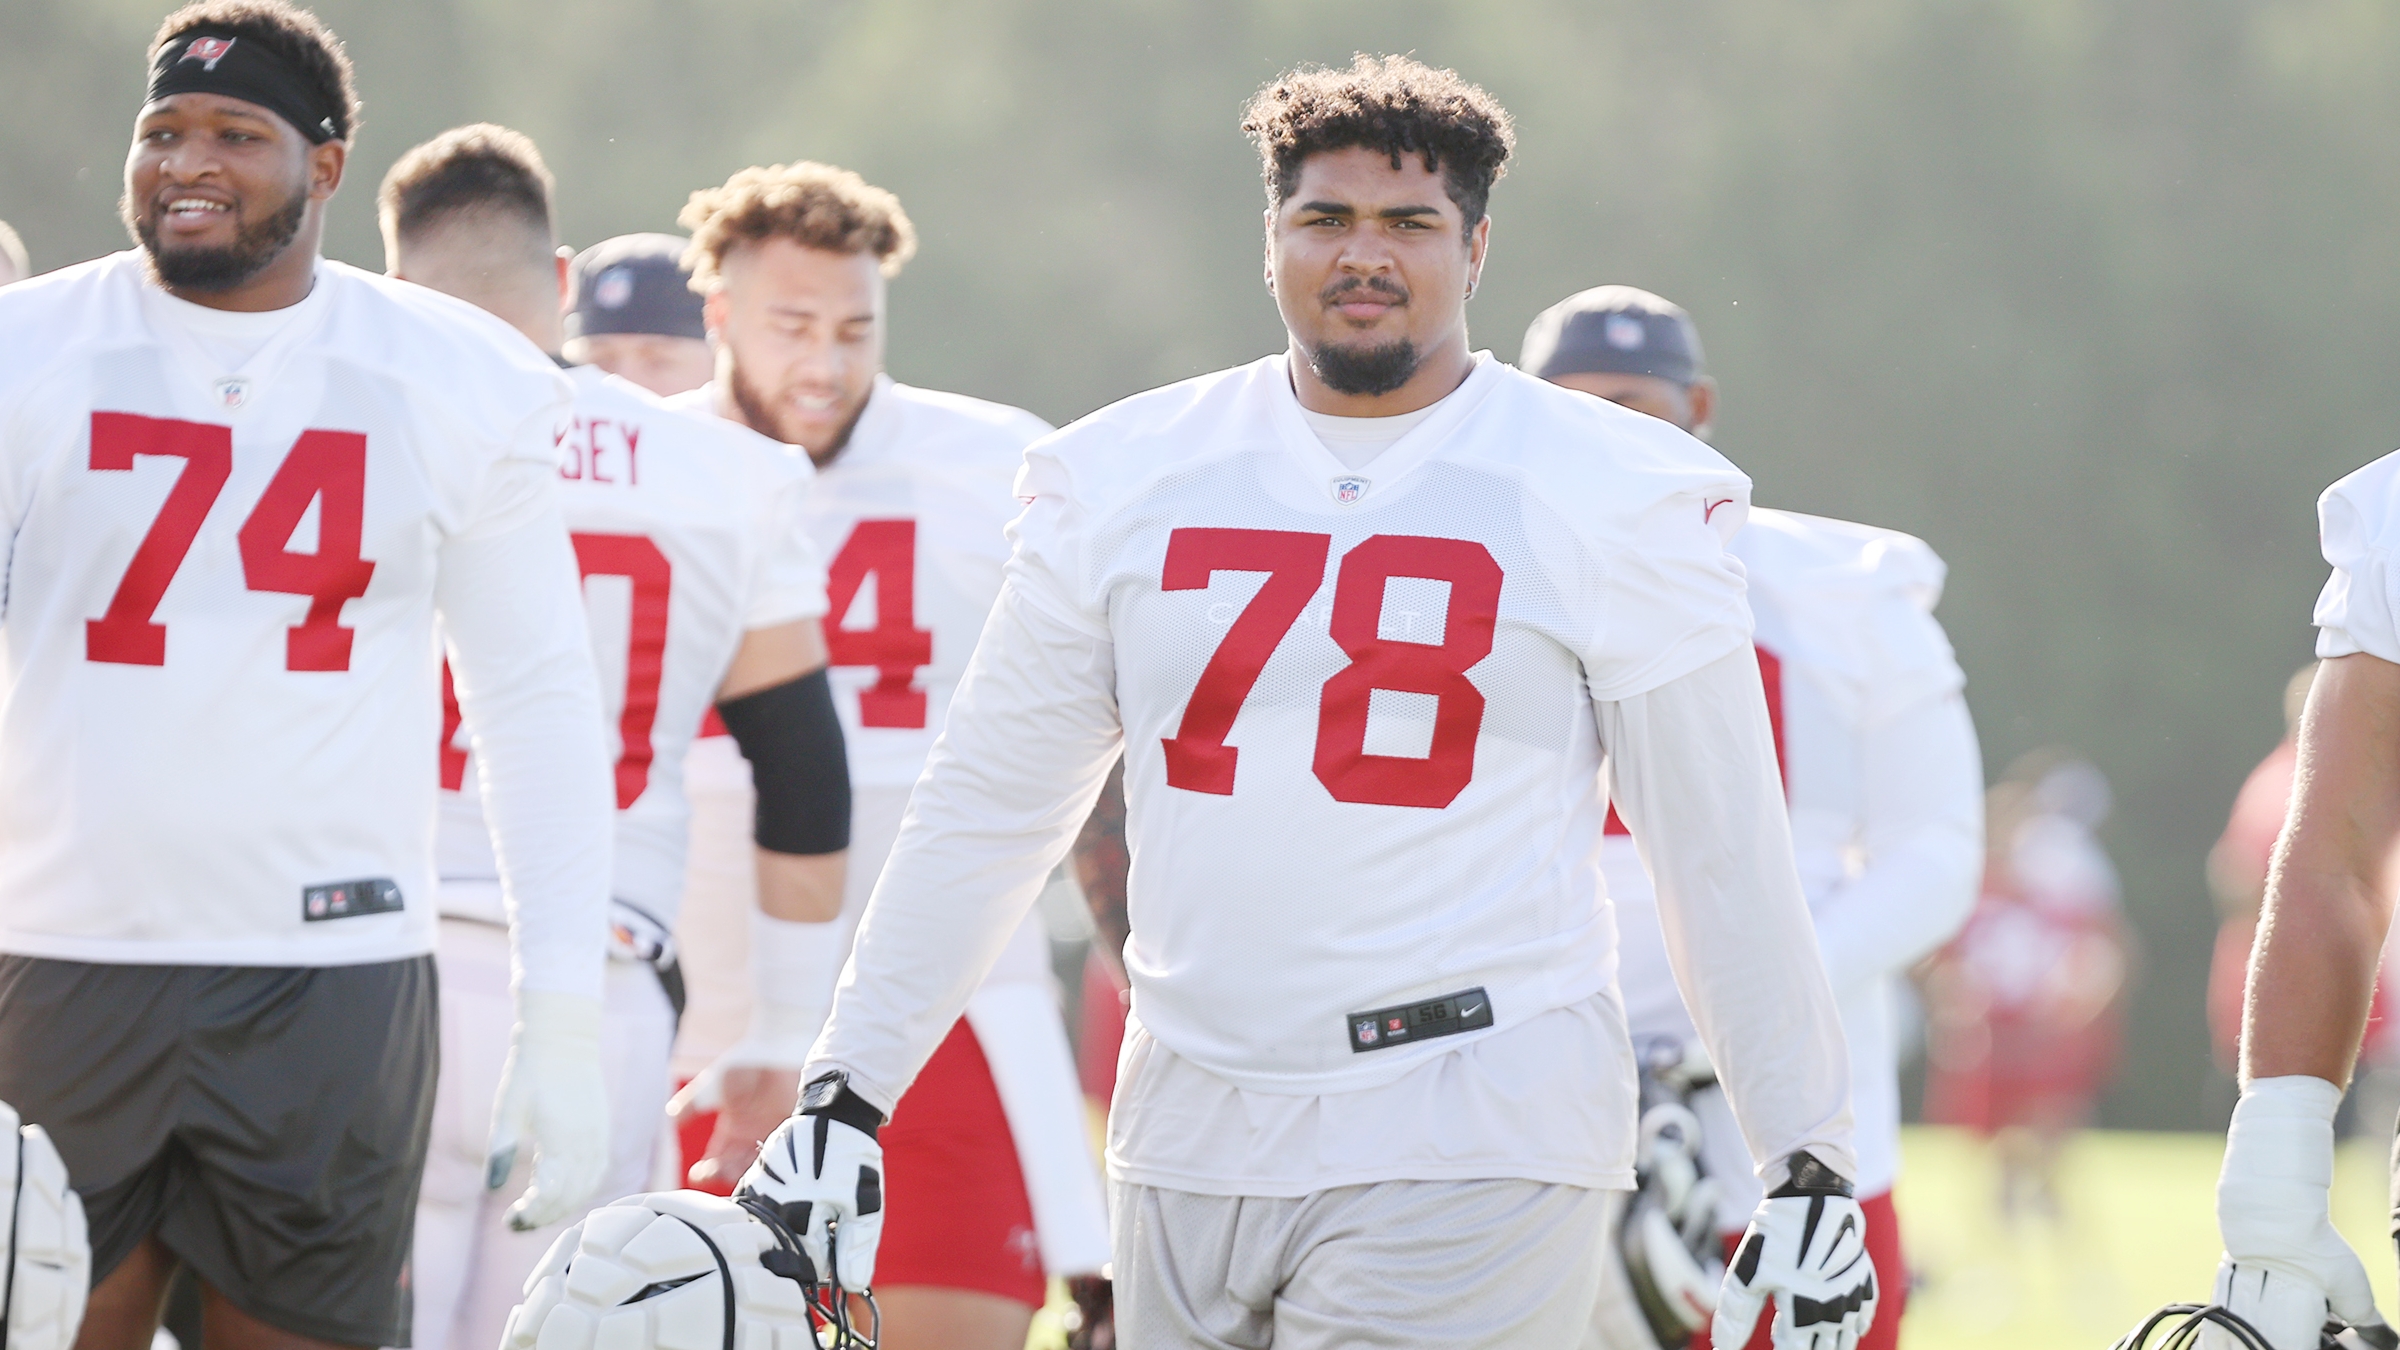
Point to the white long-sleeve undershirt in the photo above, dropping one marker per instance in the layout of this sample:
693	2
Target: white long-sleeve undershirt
511	607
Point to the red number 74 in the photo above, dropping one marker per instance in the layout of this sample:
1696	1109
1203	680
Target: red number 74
1199	760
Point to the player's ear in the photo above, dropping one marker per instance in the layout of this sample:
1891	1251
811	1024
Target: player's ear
325	165
713	310
1703	393
566	289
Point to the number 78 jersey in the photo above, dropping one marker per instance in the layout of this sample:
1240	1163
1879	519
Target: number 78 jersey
1362	764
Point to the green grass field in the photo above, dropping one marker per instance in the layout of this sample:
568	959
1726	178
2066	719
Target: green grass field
2139	1230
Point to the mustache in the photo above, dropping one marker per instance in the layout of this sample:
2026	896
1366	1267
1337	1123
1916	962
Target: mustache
1390	290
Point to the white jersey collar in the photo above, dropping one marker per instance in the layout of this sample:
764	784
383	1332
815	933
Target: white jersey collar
1348	486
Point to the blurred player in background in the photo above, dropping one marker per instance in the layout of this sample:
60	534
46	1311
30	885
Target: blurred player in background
242	486
1879	757
1361	618
2325	921
702	590
634	314
990	1173
15	263
2025	1009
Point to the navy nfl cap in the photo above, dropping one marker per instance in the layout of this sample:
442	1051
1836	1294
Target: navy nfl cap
634	283
1620	330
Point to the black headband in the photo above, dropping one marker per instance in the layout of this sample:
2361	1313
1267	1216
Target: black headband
243	68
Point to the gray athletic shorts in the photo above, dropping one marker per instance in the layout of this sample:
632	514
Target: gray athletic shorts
268	1123
1396	1265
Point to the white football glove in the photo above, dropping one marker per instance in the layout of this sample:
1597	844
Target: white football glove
551	1095
2286	1271
1807	1246
824	1167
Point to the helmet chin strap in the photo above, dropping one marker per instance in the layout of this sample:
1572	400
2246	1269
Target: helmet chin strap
827	1301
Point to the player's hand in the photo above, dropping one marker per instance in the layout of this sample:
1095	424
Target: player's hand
823	1167
552	1097
2286	1271
1807	1246
749	1101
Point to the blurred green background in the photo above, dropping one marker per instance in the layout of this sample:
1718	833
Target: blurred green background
2093	296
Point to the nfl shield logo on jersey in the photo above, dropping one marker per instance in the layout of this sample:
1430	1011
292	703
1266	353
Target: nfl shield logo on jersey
1366	1031
207	51
1349	490
233	393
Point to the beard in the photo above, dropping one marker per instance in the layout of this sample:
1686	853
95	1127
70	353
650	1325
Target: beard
762	415
255	245
1365	368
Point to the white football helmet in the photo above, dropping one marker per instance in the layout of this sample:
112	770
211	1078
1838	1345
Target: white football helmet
1659	1277
49	1270
673	1270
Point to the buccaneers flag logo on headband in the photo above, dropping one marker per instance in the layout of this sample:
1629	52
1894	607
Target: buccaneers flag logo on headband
207	51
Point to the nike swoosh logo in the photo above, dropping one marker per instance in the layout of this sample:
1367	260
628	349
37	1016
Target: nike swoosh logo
1469	1010
1711	511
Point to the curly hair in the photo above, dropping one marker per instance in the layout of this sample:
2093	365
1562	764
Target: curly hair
481	167
815	205
1395	105
290	32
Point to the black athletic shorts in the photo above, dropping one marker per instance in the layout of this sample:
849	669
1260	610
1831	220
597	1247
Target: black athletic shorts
268	1123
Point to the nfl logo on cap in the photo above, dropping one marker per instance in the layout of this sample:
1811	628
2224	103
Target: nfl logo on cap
614	288
1623	331
207	51
1349	490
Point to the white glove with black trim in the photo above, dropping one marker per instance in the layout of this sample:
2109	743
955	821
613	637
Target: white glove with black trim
822	1172
2286	1271
552	1094
1807	1246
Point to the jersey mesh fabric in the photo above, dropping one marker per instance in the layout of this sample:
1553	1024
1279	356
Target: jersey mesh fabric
173	804
2359	524
1845	612
664	506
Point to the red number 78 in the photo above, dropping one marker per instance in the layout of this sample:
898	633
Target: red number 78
1199	760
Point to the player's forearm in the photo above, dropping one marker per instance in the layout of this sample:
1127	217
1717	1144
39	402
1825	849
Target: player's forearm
513	612
1102	863
2329	895
1029	738
1693	770
801	887
1923	837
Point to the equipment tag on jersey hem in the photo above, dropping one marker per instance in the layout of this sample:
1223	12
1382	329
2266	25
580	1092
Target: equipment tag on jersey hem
348	899
1467	1010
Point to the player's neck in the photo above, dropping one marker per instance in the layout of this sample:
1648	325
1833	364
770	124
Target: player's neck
1442	370
281	284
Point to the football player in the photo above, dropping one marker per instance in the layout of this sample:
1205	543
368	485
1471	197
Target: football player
635	314
15	263
1368	619
1880	764
2321	931
241	485
703	590
990	1165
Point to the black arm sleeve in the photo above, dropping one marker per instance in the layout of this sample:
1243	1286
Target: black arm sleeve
793	739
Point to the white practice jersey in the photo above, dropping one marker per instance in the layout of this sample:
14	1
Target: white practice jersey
1362	762
687	531
912	521
1884	780
222	691
2359	525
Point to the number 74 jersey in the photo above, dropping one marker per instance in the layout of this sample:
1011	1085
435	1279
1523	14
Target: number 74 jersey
1362	764
217	742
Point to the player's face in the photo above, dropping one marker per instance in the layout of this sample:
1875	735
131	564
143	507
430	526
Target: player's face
799	335
662	365
1370	266
1663	399
217	189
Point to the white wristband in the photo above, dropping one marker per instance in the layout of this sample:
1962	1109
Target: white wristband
2282	1131
793	968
